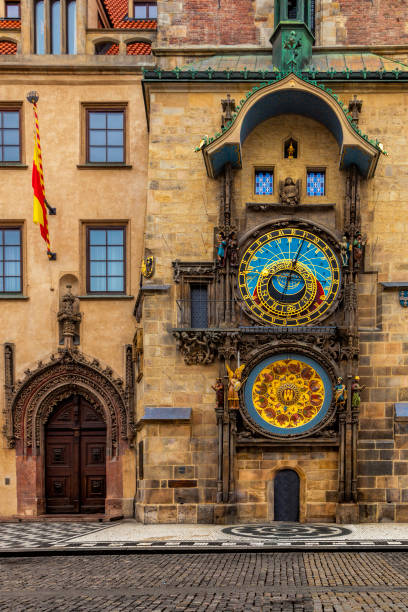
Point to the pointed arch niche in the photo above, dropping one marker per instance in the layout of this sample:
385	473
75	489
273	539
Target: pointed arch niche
297	96
34	400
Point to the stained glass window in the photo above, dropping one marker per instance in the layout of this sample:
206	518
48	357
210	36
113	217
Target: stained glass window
263	182
316	183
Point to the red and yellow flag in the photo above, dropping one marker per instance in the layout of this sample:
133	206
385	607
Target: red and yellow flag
40	209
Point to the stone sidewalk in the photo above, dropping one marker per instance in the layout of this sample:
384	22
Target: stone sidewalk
129	534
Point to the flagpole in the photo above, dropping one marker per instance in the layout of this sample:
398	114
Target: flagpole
33	98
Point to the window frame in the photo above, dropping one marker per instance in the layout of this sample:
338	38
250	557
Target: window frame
147	4
12	3
20	228
203	283
323	170
13	107
107	226
103	108
270	169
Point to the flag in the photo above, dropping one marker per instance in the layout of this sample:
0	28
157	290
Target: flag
40	209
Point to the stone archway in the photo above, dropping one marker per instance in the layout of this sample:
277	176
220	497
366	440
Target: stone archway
35	399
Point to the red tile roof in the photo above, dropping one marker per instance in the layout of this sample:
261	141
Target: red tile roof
136	48
139	48
118	10
10	24
7	48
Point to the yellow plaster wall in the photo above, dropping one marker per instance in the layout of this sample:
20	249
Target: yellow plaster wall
79	195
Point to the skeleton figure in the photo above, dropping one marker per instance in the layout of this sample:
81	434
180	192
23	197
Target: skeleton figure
289	192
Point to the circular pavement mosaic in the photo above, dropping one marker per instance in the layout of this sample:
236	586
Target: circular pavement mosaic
287	531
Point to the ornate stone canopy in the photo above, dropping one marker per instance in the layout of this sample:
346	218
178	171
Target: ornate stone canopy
297	96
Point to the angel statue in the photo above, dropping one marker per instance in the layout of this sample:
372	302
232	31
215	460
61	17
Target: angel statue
234	386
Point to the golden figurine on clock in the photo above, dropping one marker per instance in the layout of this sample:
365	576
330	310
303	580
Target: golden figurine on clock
289	276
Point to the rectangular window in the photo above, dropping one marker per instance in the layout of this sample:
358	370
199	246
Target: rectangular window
56	27
13	10
106	259
199	305
106	137
10	141
10	260
263	182
39	28
71	27
316	182
145	10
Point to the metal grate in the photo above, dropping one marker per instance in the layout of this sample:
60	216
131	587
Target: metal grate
199	305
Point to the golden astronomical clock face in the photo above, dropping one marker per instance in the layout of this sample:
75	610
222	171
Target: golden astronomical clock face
289	276
288	394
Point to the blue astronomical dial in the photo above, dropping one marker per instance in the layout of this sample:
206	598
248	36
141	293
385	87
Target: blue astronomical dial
289	276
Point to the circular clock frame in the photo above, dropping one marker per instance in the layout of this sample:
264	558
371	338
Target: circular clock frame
300	300
325	368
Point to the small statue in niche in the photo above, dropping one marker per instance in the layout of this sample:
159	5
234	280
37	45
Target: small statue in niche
222	248
345	250
291	149
359	243
234	386
356	389
289	192
233	248
219	393
340	393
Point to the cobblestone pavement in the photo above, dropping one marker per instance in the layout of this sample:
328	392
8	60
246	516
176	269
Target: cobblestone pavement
235	582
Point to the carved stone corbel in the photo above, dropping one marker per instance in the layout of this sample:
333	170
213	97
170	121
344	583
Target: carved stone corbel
8	393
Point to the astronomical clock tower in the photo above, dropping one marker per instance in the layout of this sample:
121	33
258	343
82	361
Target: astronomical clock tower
281	295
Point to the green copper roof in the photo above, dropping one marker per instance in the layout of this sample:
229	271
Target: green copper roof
321	62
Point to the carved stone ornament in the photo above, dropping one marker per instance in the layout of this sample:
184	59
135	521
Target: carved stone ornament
69	317
289	191
324	428
33	399
191	268
197	347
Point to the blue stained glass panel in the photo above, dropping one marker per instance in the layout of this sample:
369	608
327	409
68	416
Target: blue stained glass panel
316	183
263	182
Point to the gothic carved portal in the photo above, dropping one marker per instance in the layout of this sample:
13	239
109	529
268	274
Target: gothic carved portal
31	402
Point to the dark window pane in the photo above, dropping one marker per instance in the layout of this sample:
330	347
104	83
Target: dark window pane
140	11
12	237
97	137
97	154
71	27
97	120
115	284
115	236
98	283
115	268
39	27
11	119
115	253
97	236
13	10
11	154
12	253
153	11
11	137
56	27
115	121
199	316
115	154
115	138
97	253
12	284
98	268
12	268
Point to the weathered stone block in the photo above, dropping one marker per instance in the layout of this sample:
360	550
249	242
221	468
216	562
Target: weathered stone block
367	513
186	513
386	513
185	496
374	468
205	514
401	514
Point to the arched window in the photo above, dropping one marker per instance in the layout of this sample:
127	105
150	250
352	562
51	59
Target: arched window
71	27
56	27
39	28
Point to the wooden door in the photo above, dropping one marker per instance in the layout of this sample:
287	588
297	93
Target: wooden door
286	496
75	442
